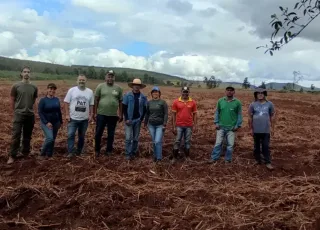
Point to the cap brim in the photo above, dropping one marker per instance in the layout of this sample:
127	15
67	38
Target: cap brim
141	85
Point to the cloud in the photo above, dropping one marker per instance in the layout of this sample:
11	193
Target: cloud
105	6
179	6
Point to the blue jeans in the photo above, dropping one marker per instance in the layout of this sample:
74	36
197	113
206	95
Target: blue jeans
185	132
156	133
264	140
102	122
221	134
73	126
132	133
50	137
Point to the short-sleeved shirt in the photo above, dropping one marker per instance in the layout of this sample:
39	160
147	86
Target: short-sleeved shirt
261	113
109	98
185	111
80	102
25	95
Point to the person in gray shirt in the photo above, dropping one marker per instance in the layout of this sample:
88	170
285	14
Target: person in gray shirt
261	123
156	120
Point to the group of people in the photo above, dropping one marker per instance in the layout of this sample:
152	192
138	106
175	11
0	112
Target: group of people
108	106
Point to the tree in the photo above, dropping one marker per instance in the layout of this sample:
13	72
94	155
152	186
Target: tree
312	87
57	71
102	74
92	72
271	86
212	82
301	90
263	85
289	22
178	83
297	76
246	83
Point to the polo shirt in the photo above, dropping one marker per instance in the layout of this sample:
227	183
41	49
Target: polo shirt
185	111
229	113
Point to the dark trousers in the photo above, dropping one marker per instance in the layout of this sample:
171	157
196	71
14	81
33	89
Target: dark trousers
262	139
22	124
105	121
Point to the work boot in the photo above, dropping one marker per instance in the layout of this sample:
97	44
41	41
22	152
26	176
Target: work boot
175	155
187	154
269	166
10	160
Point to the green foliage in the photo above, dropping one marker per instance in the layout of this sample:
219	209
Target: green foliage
263	85
312	87
212	82
291	23
301	90
246	83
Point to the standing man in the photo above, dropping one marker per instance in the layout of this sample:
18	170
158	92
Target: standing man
79	103
23	98
228	119
184	122
261	124
108	98
134	108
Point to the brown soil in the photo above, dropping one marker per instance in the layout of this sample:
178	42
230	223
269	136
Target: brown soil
111	193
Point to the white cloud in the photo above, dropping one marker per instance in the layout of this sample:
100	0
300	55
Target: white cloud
105	6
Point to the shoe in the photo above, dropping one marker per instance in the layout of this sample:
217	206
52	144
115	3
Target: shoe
269	166
70	155
10	160
175	154
227	162
97	154
212	161
108	154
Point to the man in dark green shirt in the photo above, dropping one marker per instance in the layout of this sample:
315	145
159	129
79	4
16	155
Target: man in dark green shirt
228	119
23	97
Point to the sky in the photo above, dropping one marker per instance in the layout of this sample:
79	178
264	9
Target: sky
187	38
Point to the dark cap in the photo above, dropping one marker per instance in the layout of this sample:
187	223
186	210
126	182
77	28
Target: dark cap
230	88
110	72
260	90
51	85
185	88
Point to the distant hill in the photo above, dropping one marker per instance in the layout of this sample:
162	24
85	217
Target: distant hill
10	64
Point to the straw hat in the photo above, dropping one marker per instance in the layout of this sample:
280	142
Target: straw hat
136	81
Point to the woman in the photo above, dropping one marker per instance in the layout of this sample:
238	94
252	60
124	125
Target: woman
156	120
51	119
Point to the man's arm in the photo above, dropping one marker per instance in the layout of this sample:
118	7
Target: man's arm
12	102
239	118
216	115
67	110
272	117
165	108
96	100
13	95
174	115
250	117
146	120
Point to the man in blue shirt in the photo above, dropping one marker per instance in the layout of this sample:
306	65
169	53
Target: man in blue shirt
134	109
261	123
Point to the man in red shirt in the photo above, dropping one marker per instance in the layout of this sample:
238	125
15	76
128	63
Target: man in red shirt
184	122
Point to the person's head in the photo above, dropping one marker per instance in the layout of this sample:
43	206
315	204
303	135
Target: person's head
230	91
136	85
82	80
155	93
51	89
25	73
110	77
260	94
185	91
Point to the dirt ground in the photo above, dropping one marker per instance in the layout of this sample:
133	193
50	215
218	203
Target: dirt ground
111	193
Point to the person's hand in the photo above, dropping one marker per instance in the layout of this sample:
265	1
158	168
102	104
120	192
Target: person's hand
90	118
164	127
120	119
217	127
271	132
251	132
174	130
68	118
145	125
128	122
94	117
235	129
49	125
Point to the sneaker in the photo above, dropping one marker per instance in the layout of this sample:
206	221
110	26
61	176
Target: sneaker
212	161
188	159
10	160
41	158
173	160
70	155
227	162
269	166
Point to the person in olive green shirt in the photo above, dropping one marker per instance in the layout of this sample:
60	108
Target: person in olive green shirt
228	119
108	99
156	120
23	97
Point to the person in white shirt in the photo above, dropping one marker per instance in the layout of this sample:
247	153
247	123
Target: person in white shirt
79	103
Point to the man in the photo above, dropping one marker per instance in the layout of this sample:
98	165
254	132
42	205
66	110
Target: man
261	124
79	103
228	119
23	98
108	98
184	122
134	108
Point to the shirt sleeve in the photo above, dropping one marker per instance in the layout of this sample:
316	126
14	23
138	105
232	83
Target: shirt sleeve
251	109
59	112
67	99
41	111
271	109
194	107
174	107
13	92
98	91
92	99
165	108
35	93
125	100
146	120
120	94
217	113
239	119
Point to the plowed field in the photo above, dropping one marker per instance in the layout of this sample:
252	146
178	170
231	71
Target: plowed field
112	193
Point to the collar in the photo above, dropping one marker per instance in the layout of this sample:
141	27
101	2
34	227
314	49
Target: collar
226	99
180	99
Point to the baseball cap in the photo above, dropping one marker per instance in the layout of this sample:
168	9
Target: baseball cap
155	88
230	88
185	88
110	72
51	85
